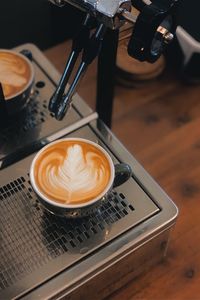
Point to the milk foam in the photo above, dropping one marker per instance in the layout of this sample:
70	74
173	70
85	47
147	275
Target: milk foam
13	71
73	174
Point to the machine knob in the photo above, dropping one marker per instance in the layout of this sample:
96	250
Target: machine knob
153	30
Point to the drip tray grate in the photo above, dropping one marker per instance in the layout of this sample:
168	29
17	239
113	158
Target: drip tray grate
31	237
32	116
36	245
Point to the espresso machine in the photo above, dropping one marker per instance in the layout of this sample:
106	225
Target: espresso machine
153	28
43	256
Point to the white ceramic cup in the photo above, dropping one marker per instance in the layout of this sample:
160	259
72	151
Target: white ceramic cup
117	175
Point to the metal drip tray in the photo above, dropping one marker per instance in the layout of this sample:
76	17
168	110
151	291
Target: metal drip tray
48	257
32	239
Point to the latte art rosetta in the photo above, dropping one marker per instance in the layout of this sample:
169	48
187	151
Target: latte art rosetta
72	173
14	73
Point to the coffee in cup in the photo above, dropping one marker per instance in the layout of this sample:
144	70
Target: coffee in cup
72	173
16	78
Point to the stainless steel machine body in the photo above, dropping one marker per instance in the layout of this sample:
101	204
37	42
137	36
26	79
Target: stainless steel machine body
104	11
48	257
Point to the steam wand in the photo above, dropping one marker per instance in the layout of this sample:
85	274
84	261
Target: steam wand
90	52
77	46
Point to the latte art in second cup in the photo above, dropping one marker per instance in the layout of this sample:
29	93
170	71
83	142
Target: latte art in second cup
72	172
15	73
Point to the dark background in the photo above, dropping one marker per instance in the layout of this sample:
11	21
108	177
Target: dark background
36	21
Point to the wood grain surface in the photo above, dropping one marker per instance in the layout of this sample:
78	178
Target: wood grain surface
159	123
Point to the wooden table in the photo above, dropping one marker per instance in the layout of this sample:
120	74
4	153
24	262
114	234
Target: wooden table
159	123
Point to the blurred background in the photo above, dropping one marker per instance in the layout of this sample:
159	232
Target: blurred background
38	22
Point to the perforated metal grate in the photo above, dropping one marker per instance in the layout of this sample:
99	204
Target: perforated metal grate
30	237
32	116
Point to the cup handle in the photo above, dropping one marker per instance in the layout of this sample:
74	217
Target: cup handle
122	173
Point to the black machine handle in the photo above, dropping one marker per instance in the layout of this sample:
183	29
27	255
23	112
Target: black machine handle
154	28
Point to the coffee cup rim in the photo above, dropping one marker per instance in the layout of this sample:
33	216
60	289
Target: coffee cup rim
31	79
78	205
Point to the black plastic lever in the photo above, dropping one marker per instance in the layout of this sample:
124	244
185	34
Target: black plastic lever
90	52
